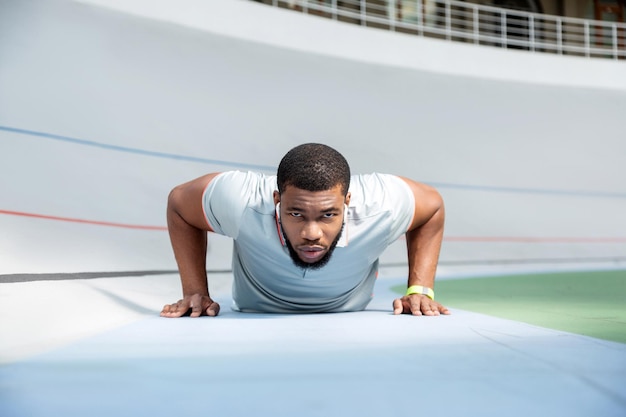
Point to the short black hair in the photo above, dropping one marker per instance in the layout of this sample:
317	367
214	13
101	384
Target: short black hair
313	167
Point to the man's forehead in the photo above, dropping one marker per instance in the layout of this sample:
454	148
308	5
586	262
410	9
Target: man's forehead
294	195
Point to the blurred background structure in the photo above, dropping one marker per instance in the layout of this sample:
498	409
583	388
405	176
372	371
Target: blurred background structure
98	124
591	28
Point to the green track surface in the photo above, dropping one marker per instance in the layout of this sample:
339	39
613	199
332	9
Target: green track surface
587	303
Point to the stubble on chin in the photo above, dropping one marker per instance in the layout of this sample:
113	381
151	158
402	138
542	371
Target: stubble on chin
317	264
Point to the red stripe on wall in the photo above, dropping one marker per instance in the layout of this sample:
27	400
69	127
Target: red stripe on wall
512	239
84	221
530	239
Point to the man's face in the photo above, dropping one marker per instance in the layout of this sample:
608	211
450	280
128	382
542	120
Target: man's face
312	222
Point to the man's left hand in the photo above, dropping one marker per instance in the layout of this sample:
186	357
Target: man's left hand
418	305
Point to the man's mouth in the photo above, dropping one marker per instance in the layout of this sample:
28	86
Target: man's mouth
311	254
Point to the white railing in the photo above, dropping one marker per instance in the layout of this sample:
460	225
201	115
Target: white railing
473	23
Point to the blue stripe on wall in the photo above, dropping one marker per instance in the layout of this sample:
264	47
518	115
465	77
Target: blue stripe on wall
233	164
138	151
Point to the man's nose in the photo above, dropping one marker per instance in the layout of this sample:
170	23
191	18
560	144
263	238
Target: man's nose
311	231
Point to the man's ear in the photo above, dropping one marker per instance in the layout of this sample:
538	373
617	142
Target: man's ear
347	199
276	197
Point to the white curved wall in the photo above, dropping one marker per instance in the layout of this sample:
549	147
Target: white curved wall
246	20
102	112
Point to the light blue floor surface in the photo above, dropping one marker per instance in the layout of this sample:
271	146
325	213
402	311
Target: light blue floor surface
357	364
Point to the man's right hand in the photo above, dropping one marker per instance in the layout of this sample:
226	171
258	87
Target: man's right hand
195	305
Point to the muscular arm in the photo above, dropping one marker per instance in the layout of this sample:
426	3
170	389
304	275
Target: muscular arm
188	229
423	246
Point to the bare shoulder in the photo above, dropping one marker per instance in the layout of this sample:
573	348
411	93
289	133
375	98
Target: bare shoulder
421	189
428	201
186	200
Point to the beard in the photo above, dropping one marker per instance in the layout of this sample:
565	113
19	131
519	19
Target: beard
317	264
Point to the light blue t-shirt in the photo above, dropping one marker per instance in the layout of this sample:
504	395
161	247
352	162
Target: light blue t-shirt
241	205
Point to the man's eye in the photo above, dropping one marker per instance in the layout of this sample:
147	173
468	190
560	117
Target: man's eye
329	215
295	214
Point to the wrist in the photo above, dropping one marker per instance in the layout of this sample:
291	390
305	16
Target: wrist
200	292
419	289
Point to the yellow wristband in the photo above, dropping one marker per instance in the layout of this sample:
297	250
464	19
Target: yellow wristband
418	289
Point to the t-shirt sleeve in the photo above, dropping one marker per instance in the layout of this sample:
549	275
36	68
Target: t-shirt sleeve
377	193
226	198
401	203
